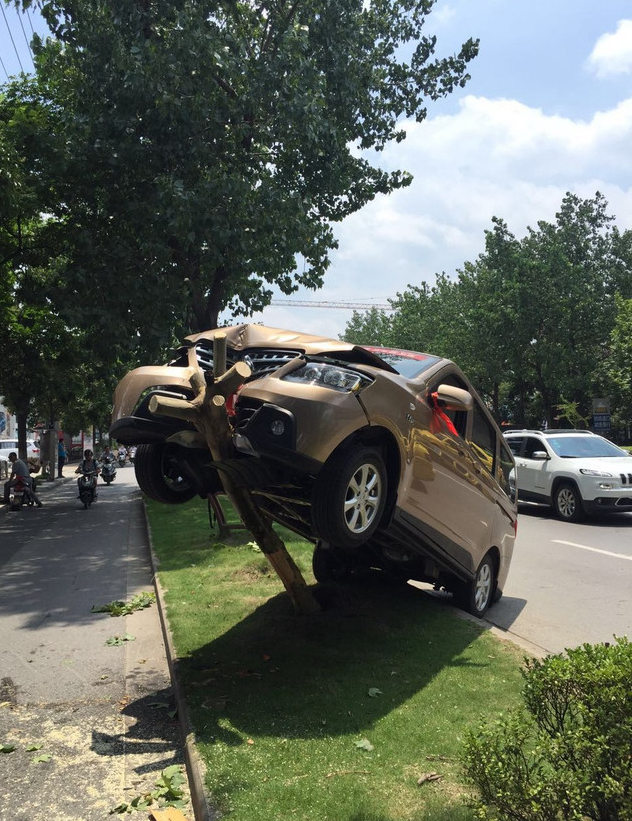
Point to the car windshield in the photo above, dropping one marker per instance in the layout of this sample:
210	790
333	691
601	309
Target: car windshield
578	447
407	363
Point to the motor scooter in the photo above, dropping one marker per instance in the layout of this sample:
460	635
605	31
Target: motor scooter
108	471
121	459
87	488
20	495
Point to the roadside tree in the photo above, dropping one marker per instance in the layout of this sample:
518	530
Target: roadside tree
210	147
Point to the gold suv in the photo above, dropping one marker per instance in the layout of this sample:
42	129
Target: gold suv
386	459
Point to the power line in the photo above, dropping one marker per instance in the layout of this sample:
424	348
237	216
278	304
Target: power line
28	17
28	45
17	53
305	303
4	67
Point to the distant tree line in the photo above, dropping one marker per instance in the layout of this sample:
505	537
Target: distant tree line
541	324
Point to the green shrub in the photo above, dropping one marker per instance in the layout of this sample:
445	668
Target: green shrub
567	754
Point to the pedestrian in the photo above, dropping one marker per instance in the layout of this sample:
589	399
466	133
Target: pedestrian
18	469
61	458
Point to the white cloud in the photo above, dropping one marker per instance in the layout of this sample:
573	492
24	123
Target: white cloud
612	53
491	158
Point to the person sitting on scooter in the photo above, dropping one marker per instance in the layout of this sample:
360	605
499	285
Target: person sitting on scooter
88	465
19	469
107	455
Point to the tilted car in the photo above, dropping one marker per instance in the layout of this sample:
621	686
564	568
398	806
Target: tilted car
574	471
386	459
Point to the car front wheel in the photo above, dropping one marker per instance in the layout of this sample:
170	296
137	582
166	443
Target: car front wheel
349	497
568	502
159	476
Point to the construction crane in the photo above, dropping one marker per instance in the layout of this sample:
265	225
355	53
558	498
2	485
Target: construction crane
306	303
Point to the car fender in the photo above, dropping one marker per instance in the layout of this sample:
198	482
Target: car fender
130	389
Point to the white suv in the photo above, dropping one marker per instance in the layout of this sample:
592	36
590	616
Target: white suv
574	471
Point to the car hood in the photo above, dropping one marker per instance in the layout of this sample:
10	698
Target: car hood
242	337
608	464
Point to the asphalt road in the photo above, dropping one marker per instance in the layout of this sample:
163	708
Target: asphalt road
568	583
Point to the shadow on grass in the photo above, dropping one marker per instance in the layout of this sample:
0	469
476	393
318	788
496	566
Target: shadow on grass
276	674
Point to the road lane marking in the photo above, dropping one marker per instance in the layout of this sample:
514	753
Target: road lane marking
593	549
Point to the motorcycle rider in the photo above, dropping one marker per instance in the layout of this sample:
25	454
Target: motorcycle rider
107	455
88	465
122	454
19	469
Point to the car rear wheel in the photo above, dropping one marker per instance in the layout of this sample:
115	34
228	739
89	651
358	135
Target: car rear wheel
329	565
568	502
477	595
349	497
159	476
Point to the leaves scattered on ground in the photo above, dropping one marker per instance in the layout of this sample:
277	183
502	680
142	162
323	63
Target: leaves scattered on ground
121	608
168	792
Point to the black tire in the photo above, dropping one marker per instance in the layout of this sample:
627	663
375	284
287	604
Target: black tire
567	502
158	474
476	596
328	565
108	481
349	497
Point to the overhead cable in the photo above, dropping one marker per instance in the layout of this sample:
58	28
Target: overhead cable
26	40
17	53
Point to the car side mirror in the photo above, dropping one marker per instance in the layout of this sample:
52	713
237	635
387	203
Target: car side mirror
455	399
542	455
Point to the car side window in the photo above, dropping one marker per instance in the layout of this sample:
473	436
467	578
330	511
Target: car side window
505	467
483	441
515	444
531	445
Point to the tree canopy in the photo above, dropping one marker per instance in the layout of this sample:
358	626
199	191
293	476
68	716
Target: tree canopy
209	147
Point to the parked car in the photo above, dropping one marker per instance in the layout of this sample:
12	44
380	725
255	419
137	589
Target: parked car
7	446
576	472
386	459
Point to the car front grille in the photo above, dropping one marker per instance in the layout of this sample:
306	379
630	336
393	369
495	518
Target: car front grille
260	360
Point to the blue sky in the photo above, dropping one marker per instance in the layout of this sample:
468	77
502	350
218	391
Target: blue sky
548	110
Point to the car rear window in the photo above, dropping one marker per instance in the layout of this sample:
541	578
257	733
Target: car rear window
407	363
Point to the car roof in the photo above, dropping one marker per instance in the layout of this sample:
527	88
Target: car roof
549	431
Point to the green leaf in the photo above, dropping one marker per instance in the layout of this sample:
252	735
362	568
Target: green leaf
364	744
32	747
38	759
7	748
374	692
115	641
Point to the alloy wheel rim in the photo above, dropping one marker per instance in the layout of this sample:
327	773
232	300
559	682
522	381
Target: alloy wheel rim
362	499
566	503
483	587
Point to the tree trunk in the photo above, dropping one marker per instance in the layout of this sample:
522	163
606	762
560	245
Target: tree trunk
207	412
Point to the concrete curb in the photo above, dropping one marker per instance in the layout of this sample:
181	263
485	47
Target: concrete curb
202	808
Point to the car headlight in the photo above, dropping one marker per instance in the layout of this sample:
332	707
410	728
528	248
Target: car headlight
328	376
601	474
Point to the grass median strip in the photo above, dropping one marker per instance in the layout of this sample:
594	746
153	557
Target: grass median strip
339	716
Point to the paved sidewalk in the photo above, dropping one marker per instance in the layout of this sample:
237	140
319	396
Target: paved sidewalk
104	714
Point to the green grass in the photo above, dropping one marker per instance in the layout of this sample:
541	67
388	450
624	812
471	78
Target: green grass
280	701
